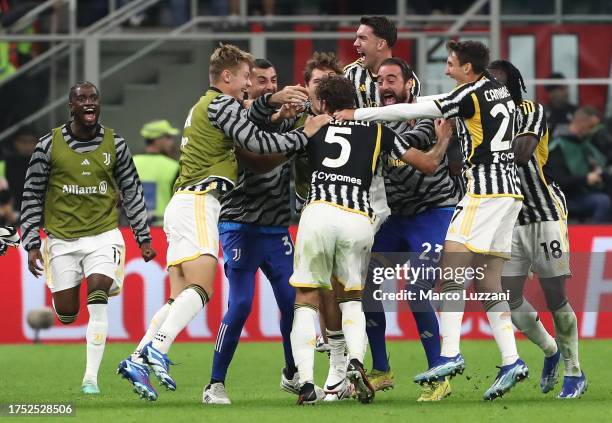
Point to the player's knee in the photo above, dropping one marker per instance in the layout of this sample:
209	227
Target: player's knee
97	296
241	307
515	302
555	300
554	293
67	317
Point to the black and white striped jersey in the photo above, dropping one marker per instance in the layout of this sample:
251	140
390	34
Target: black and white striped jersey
410	191
37	178
343	157
366	90
543	199
485	118
261	199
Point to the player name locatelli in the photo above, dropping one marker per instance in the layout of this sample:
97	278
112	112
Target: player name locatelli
405	295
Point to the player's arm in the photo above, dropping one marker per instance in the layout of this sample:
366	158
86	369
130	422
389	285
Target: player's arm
393	113
425	98
263	112
34	189
126	178
226	114
533	127
422	135
426	162
260	163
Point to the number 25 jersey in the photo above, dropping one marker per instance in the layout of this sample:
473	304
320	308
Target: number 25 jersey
485	117
343	157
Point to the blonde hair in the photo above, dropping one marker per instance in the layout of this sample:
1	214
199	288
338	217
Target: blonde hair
227	56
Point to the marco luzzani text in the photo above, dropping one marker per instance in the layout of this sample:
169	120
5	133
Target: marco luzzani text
411	274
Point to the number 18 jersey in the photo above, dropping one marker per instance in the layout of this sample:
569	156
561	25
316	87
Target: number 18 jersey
343	157
485	118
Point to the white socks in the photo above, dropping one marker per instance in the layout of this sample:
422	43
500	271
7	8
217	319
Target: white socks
450	331
354	328
566	329
184	308
97	329
158	319
525	318
501	324
337	345
451	316
303	340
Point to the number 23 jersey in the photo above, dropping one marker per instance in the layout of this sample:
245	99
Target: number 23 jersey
485	117
343	157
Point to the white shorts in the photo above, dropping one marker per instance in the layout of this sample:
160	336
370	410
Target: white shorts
190	224
332	243
529	255
66	262
484	224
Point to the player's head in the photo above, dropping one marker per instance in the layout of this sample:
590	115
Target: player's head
263	79
374	40
84	103
395	81
335	92
466	61
585	119
558	94
230	70
159	136
320	65
507	74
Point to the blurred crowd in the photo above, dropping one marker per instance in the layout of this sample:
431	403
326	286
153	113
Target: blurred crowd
580	144
580	136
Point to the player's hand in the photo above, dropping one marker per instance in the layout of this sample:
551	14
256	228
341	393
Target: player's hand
594	177
313	124
444	129
287	111
147	252
295	94
346	114
35	261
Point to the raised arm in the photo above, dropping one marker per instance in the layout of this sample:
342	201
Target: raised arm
395	112
226	114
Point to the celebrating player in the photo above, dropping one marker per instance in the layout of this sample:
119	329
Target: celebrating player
208	169
254	232
320	66
336	232
542	222
71	183
480	232
421	209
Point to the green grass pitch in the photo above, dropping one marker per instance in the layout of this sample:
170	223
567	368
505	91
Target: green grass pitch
52	373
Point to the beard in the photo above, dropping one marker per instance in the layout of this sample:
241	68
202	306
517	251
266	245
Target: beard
389	97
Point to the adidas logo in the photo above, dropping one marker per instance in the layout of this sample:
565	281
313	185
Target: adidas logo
362	88
85	162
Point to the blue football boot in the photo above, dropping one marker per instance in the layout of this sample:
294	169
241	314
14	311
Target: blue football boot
138	375
507	377
550	372
573	387
442	367
159	363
